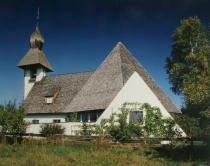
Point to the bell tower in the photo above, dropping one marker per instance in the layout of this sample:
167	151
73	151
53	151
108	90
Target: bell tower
34	63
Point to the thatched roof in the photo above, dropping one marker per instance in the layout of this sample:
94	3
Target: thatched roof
93	91
108	80
68	84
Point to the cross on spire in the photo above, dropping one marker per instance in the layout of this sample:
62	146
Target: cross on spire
37	19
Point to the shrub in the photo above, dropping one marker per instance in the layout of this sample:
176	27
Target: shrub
49	129
86	129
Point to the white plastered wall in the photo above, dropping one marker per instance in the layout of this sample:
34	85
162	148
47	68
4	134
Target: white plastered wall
40	74
135	90
27	85
45	118
71	128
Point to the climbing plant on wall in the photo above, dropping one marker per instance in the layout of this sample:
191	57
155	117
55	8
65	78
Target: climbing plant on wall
120	126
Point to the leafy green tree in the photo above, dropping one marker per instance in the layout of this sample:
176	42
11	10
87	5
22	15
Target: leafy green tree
188	68
187	40
188	65
189	124
12	119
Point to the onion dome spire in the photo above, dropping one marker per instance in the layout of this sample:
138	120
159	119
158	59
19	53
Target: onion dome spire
35	56
36	39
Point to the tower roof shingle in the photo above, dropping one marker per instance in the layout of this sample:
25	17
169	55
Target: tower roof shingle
35	57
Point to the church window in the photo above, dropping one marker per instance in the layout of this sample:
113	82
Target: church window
136	116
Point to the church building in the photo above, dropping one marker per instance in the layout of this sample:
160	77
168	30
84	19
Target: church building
92	95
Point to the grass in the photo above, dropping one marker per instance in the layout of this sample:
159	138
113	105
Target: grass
90	155
55	152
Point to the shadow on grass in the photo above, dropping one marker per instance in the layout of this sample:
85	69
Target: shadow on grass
182	153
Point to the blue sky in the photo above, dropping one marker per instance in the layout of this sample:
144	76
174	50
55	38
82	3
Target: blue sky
79	35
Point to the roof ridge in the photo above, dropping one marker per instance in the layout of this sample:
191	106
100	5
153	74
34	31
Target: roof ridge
121	65
71	73
91	77
121	58
157	85
77	93
127	61
159	88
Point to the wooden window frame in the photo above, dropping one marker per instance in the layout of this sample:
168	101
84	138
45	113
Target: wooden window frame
56	121
35	121
135	121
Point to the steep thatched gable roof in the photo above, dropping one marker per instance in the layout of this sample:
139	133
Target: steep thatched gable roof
108	80
68	86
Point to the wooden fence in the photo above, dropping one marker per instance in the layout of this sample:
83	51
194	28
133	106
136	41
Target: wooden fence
139	140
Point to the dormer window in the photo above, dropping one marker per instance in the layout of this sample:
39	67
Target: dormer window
51	94
49	99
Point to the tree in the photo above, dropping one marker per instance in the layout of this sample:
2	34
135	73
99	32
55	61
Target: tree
188	38
188	68
189	124
12	119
